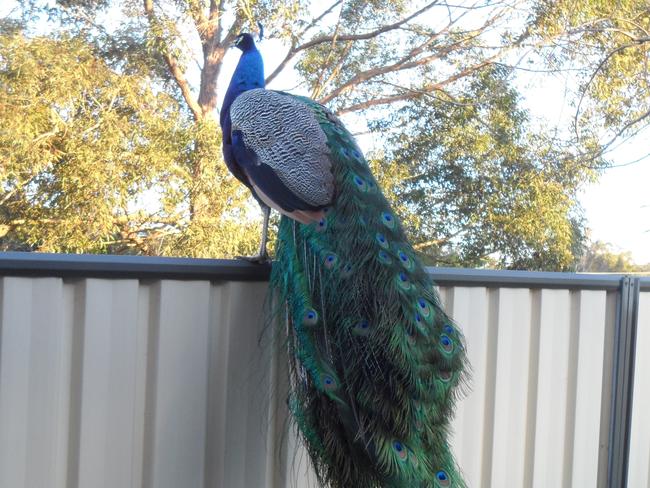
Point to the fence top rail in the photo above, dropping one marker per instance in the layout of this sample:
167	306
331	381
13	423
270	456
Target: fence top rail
148	267
140	267
530	279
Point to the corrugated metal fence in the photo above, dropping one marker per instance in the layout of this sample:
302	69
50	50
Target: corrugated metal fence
158	373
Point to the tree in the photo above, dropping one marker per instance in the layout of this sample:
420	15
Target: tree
601	258
377	58
81	146
476	187
606	46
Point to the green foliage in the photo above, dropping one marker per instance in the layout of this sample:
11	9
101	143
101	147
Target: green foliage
96	161
122	154
610	41
601	258
478	187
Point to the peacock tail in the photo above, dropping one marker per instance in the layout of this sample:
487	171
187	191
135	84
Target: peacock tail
375	363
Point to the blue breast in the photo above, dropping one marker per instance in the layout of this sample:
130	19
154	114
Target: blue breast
248	75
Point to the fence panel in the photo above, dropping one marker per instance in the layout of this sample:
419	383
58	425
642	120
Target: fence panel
541	374
639	465
166	383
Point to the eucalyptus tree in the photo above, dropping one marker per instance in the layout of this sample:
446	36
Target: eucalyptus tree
434	82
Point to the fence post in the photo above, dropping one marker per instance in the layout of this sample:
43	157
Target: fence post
622	382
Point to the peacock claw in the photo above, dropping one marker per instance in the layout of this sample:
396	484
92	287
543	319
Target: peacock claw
262	256
258	259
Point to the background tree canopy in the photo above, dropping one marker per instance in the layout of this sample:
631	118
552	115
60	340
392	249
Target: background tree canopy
109	143
600	256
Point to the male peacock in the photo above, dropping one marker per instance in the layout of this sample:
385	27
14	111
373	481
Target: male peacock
375	363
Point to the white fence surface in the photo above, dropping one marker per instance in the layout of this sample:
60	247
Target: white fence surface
122	383
639	469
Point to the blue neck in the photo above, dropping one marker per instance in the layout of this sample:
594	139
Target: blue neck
248	75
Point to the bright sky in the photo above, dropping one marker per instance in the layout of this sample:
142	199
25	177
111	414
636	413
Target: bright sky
617	206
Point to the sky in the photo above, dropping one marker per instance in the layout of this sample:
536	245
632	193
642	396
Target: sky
616	206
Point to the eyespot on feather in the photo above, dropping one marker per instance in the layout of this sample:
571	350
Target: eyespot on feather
445	376
446	344
328	382
361	328
381	239
359	182
403	282
420	324
425	308
310	317
442	479
410	335
413	458
384	257
401	450
330	260
405	259
388	220
346	270
321	225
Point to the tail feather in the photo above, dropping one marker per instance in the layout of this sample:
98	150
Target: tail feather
376	363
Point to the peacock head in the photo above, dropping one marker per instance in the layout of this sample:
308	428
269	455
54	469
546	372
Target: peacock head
245	42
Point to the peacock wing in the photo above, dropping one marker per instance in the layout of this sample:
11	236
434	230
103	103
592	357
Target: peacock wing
279	143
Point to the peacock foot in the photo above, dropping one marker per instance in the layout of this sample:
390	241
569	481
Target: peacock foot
257	259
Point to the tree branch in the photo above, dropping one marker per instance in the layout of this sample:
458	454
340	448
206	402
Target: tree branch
295	49
316	20
200	21
405	64
172	63
387	100
367	35
216	12
637	42
410	93
444	240
586	161
213	54
432	242
234	30
318	86
407	61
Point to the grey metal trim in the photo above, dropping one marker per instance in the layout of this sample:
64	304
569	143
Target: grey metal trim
623	382
524	279
147	267
143	267
645	283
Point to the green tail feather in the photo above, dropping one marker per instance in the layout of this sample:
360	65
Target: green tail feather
375	362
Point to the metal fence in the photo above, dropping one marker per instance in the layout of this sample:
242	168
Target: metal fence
152	372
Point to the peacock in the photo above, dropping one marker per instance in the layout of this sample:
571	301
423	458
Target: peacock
375	364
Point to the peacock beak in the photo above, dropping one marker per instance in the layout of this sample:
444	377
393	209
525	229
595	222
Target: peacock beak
236	42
